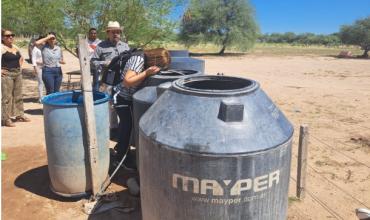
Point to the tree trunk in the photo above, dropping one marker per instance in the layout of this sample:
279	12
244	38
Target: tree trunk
222	50
365	55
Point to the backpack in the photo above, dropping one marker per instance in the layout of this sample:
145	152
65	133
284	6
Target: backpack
112	74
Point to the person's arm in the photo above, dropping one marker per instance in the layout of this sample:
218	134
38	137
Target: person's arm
34	60
96	60
61	61
34	57
43	40
133	79
21	60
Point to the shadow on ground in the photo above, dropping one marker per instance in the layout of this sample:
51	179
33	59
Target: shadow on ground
350	58
34	111
130	209
122	175
31	99
37	181
217	54
28	74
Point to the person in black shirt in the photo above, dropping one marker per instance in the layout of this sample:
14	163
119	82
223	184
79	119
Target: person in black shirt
11	81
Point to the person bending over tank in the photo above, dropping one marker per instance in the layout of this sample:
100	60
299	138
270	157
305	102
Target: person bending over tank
136	70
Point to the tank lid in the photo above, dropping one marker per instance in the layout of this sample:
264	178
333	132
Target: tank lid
215	85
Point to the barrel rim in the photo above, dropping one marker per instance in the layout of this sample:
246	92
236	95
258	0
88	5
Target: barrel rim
180	86
46	100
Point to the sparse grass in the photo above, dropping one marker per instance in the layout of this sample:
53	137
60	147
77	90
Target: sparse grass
300	50
264	49
259	49
292	199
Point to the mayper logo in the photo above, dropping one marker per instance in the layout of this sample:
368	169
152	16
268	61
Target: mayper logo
220	187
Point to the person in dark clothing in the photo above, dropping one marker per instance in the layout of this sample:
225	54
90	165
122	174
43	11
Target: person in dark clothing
11	81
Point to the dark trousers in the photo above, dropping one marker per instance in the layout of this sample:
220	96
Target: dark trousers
124	110
52	78
95	83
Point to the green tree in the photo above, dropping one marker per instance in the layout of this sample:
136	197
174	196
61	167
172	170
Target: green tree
144	21
223	22
357	34
28	17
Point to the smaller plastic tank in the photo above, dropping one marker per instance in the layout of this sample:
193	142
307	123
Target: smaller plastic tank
66	144
179	53
188	63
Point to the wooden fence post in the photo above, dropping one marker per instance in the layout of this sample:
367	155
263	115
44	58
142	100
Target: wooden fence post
302	161
89	112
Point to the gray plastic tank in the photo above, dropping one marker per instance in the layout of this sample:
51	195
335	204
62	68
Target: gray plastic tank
179	53
188	63
169	76
66	143
146	96
214	147
143	99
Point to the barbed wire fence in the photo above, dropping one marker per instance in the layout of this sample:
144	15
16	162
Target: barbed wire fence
324	145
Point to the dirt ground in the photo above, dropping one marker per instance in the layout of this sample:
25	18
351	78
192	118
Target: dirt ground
330	95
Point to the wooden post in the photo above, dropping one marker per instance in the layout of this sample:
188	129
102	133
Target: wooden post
89	112
302	161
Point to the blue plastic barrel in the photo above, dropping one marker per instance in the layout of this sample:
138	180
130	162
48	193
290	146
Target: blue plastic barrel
66	144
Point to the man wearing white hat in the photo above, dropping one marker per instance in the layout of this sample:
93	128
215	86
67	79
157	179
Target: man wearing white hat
104	53
110	48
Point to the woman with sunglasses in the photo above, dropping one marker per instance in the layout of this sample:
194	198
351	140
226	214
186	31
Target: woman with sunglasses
52	57
11	81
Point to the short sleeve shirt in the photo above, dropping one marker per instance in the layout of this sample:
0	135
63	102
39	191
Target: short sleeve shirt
51	56
136	64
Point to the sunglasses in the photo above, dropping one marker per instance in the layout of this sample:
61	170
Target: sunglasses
9	35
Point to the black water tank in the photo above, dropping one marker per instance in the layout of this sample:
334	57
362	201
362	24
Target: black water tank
146	96
214	147
169	76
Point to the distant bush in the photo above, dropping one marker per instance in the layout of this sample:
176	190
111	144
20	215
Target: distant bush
301	39
357	34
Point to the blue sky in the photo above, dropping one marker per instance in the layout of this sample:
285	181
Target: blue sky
299	16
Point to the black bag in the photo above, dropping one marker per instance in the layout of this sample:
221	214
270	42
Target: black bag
112	73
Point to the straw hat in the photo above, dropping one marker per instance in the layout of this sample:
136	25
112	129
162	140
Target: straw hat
113	25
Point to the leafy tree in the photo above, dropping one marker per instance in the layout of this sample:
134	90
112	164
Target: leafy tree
223	22
28	17
144	21
357	34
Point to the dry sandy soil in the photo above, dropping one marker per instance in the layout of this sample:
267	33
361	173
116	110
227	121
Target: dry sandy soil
331	95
